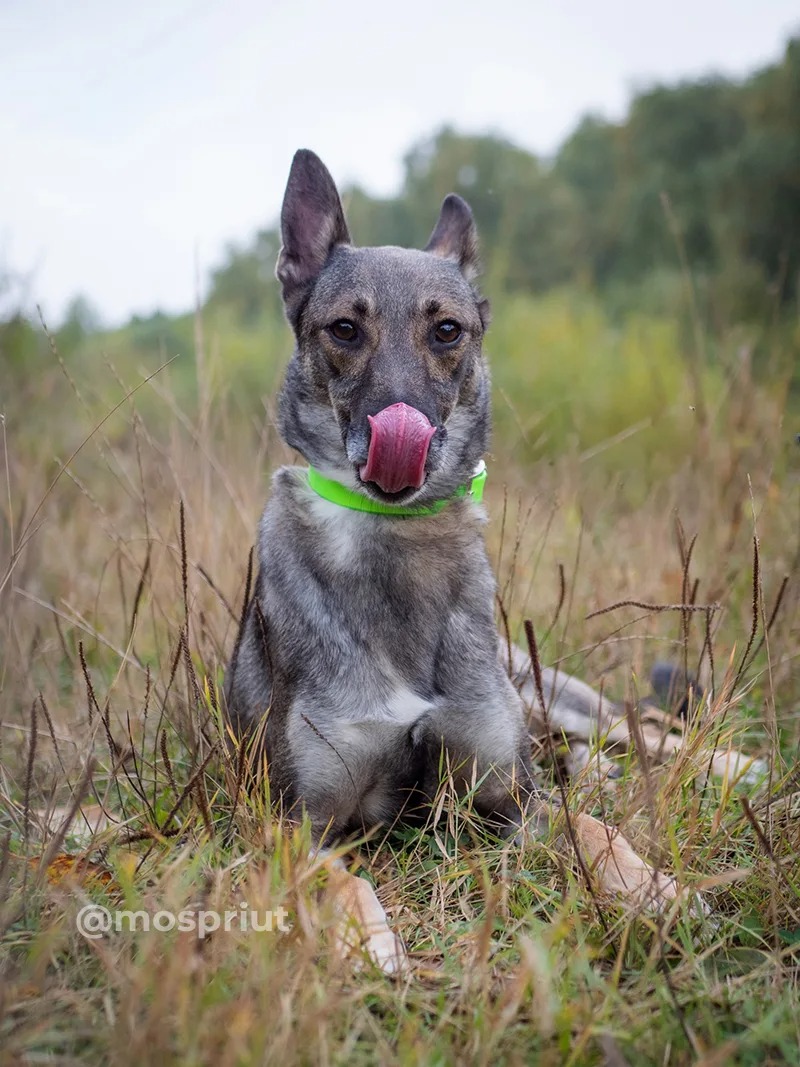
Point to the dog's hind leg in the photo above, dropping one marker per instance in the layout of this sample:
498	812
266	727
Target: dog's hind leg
362	923
571	706
575	709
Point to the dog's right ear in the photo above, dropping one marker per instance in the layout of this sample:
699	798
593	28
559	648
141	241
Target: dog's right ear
312	223
455	236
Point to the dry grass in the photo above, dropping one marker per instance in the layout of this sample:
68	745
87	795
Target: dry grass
119	608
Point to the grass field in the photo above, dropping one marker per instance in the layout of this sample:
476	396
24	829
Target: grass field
622	470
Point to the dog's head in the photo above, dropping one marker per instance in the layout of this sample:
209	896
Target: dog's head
387	391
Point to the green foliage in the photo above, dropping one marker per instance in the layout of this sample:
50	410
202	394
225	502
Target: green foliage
567	376
243	281
684	217
20	345
80	321
708	171
702	176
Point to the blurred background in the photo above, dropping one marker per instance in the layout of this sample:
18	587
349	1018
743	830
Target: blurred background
635	176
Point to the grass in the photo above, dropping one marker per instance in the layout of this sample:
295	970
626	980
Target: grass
126	573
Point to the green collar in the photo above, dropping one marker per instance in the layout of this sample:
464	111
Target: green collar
339	494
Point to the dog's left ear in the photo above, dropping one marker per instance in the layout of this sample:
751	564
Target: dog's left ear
455	236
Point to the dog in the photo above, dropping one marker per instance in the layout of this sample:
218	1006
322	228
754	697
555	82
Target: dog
368	658
369	651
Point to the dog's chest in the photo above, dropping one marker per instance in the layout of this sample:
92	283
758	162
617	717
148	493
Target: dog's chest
387	619
363	607
388	568
342	533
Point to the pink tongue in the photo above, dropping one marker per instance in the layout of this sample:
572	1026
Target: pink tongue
398	448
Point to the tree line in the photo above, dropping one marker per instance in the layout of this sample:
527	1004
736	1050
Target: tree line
703	175
698	187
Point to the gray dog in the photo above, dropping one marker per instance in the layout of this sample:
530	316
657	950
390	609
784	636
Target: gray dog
368	663
368	657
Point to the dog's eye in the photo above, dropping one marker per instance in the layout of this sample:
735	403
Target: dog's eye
344	330
447	333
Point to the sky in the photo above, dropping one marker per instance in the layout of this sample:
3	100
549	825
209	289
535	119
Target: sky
138	140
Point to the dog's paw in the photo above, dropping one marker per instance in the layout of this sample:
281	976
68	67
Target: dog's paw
374	946
736	767
386	951
617	870
363	932
584	759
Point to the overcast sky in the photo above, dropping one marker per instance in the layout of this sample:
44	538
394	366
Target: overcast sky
137	139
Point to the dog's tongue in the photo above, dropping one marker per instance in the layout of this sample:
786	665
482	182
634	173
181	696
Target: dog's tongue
398	448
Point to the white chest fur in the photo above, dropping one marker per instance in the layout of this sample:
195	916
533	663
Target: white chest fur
342	529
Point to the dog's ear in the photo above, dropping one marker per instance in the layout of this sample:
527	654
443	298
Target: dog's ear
312	222
455	236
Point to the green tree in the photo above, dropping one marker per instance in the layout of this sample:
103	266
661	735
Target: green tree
245	282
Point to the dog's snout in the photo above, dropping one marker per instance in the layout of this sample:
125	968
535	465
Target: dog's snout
372	436
356	443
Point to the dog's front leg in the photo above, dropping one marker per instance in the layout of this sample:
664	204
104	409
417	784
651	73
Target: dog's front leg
362	924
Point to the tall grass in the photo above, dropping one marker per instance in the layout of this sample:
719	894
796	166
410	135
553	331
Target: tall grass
123	577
